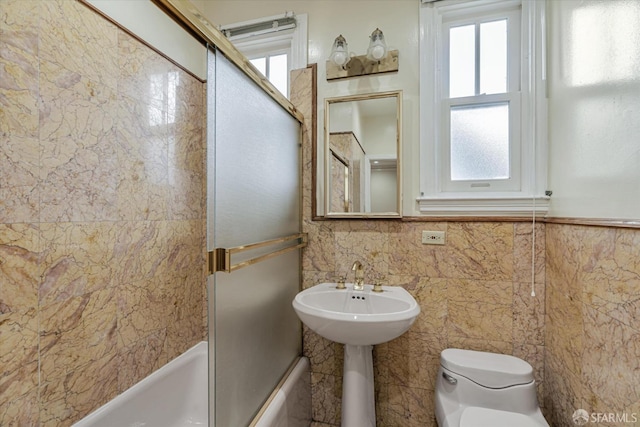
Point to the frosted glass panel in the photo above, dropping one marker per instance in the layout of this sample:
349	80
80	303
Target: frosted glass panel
480	142
256	167
493	57
255	160
462	61
257	335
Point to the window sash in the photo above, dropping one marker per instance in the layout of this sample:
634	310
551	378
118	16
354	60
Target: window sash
268	72
513	45
512	183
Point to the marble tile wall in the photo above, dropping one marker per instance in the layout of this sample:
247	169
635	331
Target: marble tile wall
101	211
592	324
474	293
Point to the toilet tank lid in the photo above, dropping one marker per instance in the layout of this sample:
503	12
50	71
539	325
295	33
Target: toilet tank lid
488	369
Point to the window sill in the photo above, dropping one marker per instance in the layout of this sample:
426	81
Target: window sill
483	206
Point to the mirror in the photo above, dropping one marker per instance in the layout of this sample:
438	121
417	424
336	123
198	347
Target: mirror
362	156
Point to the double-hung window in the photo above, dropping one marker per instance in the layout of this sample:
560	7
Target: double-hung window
483	118
275	45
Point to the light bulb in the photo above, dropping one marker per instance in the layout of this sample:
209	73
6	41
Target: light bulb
340	58
377	52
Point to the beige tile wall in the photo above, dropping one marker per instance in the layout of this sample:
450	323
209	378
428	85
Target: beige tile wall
101	211
593	324
474	293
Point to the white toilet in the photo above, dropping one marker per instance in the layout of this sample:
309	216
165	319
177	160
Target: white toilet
478	389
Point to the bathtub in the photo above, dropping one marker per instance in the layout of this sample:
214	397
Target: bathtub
173	396
176	395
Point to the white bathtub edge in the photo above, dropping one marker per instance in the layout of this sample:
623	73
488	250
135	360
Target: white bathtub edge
139	387
285	409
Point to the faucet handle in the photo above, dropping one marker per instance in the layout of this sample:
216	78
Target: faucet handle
377	285
341	281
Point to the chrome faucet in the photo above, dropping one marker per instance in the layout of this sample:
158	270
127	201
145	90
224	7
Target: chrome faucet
359	283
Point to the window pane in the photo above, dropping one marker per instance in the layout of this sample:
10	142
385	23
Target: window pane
462	59
480	142
493	57
278	74
260	64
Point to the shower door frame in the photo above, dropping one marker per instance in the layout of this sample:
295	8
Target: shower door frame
272	276
201	29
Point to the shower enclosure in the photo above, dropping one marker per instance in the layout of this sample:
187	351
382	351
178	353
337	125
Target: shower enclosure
253	235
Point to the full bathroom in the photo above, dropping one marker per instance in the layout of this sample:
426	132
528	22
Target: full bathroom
128	219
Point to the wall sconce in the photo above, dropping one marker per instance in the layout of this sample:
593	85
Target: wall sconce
339	52
377	47
343	64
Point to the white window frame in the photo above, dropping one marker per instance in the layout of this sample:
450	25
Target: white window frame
439	196
292	41
511	97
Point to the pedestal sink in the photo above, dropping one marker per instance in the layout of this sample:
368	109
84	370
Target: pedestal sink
359	320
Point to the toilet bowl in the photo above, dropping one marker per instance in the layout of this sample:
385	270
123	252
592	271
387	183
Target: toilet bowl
479	389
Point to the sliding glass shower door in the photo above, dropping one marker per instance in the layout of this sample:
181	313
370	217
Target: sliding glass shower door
253	196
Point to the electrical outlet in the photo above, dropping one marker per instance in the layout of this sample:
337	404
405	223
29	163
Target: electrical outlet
433	237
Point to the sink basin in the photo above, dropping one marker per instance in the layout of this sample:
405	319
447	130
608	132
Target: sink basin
356	317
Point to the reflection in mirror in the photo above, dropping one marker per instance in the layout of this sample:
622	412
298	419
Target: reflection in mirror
341	180
362	167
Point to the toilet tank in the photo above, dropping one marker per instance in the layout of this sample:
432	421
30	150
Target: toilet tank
490	370
495	381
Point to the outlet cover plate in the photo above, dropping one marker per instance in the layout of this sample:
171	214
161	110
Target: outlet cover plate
433	237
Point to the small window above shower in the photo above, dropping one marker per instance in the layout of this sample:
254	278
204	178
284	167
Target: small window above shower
275	45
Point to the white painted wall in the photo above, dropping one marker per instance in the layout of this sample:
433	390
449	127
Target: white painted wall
152	25
341	117
345	117
594	89
594	108
383	190
379	134
355	20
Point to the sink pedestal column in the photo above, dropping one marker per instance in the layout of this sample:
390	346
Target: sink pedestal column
358	399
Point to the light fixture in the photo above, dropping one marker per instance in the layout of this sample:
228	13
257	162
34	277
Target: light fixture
340	52
377	47
342	63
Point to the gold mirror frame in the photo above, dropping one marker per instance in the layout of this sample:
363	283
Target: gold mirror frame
329	152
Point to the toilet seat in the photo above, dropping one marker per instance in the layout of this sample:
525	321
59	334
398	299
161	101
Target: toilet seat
484	417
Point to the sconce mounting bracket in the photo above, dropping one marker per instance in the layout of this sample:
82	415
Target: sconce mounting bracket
361	66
